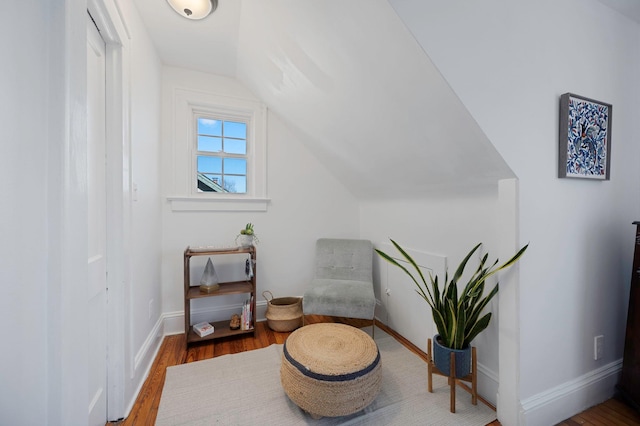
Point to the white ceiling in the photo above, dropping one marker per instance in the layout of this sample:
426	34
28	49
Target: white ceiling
350	79
209	45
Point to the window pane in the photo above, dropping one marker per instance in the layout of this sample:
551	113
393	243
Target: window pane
209	144
235	166
209	164
207	126
235	130
221	155
237	184
235	146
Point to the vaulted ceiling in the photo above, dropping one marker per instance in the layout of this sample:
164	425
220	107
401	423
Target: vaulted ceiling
349	78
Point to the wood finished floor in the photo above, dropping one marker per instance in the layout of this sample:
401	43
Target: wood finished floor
173	352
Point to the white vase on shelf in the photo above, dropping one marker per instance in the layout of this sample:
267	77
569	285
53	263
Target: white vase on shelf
244	240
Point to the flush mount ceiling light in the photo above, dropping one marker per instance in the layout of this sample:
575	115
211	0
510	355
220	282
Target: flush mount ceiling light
194	9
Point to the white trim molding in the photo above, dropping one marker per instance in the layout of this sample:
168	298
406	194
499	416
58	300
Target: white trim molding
574	396
186	104
194	203
113	28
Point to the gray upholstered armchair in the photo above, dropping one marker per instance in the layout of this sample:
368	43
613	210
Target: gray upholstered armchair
343	281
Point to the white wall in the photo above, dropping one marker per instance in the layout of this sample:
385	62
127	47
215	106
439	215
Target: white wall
306	202
144	299
509	62
359	88
23	215
42	120
43	223
447	225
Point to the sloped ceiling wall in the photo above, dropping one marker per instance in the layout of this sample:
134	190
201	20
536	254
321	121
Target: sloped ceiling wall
350	77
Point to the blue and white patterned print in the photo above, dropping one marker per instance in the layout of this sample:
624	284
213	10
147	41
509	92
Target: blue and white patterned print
587	141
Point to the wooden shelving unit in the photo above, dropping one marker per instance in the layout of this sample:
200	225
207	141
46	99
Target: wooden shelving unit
226	288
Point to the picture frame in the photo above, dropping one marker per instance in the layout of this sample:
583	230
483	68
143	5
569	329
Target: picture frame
584	138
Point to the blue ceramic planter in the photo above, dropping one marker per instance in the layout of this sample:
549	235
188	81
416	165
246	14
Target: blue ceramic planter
442	358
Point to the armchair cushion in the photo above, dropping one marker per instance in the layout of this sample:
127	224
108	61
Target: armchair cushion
340	298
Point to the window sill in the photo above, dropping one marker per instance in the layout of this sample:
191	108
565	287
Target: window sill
186	204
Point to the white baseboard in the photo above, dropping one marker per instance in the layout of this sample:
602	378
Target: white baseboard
143	360
488	384
561	402
151	343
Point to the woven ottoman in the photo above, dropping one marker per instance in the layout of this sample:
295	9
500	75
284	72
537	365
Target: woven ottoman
331	370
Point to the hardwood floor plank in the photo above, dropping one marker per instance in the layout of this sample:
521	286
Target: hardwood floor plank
608	411
585	419
146	405
606	414
571	422
625	410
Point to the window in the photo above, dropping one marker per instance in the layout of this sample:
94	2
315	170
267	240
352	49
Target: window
221	155
217	152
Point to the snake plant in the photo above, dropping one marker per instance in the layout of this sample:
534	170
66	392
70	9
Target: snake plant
456	316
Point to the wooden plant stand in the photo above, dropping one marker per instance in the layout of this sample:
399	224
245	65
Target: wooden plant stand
471	378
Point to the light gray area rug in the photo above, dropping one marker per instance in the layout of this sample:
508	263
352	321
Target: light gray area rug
244	389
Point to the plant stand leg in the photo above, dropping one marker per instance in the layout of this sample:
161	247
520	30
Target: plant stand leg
451	377
429	367
452	381
474	377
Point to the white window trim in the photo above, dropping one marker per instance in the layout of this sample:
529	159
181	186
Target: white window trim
187	104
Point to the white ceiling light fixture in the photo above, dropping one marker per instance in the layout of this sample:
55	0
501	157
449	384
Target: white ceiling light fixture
194	9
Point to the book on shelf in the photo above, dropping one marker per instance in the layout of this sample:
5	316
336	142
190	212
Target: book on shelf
247	314
203	329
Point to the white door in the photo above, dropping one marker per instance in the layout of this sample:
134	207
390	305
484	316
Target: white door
96	257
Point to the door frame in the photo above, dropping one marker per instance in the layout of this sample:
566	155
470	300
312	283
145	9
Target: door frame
96	283
108	19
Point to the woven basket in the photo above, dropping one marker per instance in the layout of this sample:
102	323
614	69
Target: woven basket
284	314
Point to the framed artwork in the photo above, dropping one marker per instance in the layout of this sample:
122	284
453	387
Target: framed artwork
585	138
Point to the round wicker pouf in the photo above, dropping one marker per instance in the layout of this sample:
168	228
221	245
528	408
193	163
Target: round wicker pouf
331	370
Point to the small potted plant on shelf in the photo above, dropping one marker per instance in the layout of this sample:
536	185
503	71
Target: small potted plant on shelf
247	236
456	314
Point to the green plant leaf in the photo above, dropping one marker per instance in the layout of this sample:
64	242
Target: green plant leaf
456	314
463	264
478	326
